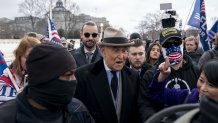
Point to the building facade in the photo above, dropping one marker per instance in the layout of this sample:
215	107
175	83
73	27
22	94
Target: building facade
68	21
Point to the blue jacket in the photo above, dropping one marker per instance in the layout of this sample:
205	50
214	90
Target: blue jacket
158	93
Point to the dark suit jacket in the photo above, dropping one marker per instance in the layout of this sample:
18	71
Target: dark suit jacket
94	91
80	56
144	68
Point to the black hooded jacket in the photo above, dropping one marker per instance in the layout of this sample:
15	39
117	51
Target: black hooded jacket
185	76
195	56
208	55
188	73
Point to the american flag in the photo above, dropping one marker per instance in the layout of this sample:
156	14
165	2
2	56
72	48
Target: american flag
52	33
5	80
4	71
174	53
3	64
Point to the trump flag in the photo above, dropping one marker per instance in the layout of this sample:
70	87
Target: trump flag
198	20
195	17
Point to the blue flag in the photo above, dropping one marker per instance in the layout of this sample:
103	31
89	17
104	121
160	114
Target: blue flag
195	17
203	27
52	33
211	34
3	64
198	20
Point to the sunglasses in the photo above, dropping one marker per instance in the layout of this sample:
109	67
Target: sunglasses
87	35
171	42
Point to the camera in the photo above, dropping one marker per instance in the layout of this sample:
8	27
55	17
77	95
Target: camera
171	21
168	22
172	12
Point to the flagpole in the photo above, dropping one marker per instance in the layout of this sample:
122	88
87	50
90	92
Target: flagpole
50	14
12	79
189	14
49	28
53	33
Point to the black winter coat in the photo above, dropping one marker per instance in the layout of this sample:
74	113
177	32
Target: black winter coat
187	74
19	111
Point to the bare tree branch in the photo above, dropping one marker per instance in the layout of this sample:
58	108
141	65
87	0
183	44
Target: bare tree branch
72	9
34	9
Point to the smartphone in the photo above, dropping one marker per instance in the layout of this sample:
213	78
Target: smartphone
25	80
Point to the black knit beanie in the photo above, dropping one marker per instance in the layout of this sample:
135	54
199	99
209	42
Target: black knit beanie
135	35
48	61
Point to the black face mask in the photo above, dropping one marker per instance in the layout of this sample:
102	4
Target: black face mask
53	95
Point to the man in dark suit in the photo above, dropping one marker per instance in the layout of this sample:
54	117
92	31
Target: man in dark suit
108	88
137	55
88	52
136	59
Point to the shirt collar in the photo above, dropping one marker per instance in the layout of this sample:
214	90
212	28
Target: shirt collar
107	68
89	51
135	68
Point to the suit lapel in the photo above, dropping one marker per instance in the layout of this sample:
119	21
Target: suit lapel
126	88
96	55
80	56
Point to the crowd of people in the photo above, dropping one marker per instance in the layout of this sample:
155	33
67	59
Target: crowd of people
115	80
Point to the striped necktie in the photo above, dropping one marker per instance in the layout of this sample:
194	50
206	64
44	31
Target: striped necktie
89	57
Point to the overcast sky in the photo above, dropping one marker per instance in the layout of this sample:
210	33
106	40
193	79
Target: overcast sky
121	13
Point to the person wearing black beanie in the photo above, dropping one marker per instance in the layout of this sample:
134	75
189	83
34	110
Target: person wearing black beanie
48	97
135	35
45	64
53	60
